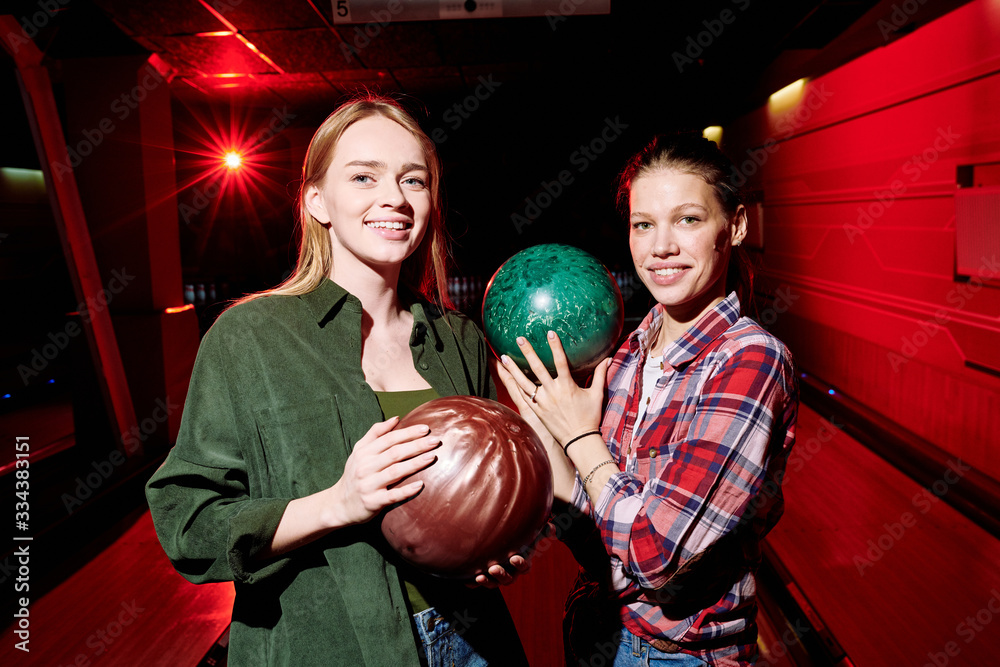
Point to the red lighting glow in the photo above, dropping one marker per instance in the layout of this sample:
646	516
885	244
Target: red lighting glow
212	190
233	30
178	309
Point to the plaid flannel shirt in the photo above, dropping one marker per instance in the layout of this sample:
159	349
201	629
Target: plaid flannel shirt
700	486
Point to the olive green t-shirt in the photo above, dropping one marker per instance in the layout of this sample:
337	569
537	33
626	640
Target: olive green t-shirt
399	404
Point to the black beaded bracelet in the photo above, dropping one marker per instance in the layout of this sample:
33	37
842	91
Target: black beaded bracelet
572	440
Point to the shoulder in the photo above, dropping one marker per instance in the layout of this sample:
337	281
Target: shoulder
259	311
466	329
746	333
451	323
261	320
749	345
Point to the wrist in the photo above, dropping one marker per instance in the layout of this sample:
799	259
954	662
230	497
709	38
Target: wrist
331	509
580	436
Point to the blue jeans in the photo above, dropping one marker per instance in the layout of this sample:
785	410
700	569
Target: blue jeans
443	643
634	651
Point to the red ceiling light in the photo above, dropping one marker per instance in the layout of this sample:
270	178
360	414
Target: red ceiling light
233	160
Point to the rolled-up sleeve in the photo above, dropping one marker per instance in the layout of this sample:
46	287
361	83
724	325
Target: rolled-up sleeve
206	520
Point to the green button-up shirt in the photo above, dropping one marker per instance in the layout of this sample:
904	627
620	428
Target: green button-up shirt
276	402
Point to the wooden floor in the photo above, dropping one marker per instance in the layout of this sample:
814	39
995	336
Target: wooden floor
898	576
127	606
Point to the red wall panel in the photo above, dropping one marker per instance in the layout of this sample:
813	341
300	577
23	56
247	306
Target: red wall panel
859	182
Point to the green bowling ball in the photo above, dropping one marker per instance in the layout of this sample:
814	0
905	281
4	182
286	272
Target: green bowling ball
554	287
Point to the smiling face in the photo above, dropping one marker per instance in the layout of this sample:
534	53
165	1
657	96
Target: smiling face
374	198
681	240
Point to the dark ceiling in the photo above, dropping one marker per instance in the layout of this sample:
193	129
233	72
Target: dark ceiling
641	49
513	99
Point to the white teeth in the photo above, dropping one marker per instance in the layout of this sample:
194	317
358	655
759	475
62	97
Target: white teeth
385	224
667	272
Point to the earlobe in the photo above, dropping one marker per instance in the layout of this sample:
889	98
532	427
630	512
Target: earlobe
313	200
739	231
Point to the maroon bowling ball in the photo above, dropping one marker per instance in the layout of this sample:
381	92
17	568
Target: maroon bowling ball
486	496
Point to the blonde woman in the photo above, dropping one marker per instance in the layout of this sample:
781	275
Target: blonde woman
287	451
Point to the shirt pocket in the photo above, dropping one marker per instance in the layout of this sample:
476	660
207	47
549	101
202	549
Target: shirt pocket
661	452
301	448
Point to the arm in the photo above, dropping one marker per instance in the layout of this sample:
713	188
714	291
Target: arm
704	491
379	460
215	526
714	474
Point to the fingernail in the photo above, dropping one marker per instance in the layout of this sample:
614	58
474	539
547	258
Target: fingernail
551	335
504	359
520	340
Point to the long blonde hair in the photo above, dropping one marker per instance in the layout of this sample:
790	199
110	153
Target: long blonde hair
425	271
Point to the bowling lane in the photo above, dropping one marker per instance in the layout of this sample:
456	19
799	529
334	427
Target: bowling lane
898	576
127	606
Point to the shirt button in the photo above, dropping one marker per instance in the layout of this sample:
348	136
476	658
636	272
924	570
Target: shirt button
661	365
652	453
423	365
648	399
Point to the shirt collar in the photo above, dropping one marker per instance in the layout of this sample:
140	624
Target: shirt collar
329	298
711	325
